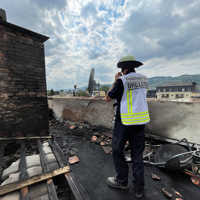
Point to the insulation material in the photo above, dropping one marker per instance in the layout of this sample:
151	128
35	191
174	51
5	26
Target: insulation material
13	168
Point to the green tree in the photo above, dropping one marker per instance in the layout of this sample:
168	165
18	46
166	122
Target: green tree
82	93
51	92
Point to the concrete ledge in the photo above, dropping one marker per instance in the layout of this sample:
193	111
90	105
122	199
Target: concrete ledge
94	111
176	120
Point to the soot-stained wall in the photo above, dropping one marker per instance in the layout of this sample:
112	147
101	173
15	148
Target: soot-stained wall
23	99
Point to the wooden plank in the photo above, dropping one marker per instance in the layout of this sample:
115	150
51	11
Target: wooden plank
25	138
16	186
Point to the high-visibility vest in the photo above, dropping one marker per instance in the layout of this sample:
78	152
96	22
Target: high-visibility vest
133	105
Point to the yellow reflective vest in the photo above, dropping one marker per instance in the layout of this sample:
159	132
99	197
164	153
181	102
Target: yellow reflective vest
133	105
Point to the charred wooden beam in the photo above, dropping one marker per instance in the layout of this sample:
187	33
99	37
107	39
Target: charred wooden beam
25	138
78	190
23	173
50	185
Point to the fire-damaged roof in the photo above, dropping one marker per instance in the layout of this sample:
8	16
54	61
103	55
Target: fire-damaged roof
88	174
95	166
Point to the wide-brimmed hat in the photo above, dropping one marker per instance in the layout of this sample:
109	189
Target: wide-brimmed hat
128	62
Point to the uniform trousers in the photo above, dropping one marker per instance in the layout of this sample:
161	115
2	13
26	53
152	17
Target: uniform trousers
136	137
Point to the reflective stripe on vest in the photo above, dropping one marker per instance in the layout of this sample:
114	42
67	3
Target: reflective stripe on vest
133	107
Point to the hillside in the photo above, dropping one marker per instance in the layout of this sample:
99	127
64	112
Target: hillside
159	80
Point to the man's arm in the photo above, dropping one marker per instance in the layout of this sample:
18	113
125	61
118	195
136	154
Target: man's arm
107	98
115	89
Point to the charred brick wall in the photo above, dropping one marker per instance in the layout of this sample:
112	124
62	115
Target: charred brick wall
23	99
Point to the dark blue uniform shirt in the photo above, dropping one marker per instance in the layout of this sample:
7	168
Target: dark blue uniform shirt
117	93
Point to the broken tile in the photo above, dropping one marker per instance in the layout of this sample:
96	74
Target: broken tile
99	140
166	193
108	134
94	138
97	134
102	143
178	193
107	149
73	159
195	181
72	127
155	177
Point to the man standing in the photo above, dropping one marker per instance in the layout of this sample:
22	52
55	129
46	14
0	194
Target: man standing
129	89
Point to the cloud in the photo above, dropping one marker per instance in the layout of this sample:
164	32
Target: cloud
162	29
50	4
87	34
89	10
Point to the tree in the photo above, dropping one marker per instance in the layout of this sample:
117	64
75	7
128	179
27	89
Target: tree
51	92
82	93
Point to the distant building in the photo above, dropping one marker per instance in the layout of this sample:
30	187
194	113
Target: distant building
177	90
92	85
99	93
151	93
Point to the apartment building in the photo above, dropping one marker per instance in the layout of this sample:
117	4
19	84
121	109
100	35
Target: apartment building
177	90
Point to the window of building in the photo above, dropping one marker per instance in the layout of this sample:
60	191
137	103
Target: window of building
179	96
180	89
183	89
165	95
173	89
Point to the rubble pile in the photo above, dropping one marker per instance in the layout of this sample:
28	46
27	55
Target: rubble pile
80	129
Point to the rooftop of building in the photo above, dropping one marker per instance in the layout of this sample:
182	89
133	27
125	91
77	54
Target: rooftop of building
177	84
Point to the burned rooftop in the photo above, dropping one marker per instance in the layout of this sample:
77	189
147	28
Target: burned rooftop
60	148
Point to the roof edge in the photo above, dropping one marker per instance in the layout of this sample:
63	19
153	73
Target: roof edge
39	36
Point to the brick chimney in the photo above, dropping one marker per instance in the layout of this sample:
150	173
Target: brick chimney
23	99
3	15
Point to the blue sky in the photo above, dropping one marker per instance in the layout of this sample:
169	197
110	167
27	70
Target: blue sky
85	34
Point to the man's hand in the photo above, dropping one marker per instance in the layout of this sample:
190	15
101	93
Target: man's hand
117	75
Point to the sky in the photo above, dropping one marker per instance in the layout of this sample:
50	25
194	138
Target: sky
85	34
